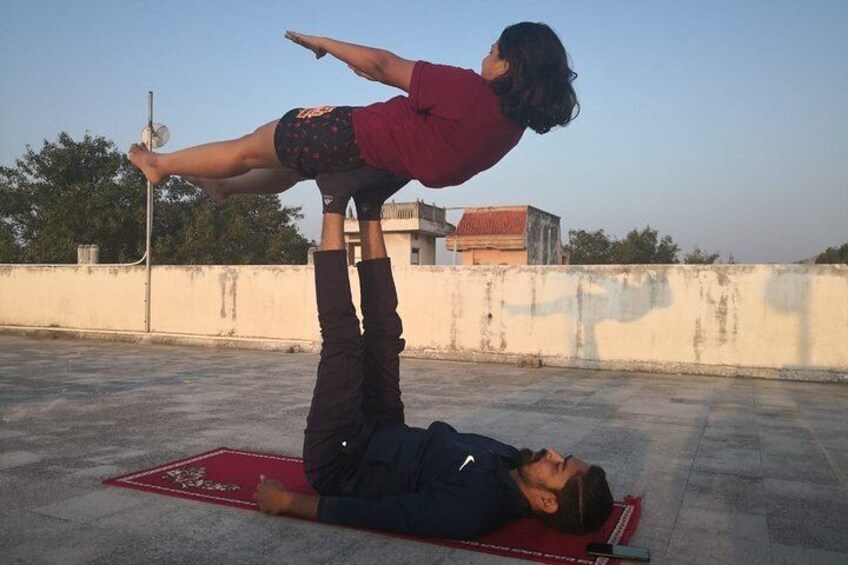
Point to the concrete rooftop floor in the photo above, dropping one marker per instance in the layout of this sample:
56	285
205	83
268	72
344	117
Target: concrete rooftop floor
732	470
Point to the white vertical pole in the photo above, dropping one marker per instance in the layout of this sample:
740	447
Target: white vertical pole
149	216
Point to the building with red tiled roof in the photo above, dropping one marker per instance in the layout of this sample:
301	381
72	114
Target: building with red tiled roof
507	235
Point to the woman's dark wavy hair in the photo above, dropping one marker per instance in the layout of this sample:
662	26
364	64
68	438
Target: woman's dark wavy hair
536	90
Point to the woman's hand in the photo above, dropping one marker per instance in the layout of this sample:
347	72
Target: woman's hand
311	42
272	496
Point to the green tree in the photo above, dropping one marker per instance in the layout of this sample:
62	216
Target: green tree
245	230
77	192
643	247
589	247
71	193
833	255
638	247
700	257
9	248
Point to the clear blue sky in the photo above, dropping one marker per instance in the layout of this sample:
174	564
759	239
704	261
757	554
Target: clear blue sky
721	123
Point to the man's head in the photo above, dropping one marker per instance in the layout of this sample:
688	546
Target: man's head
566	493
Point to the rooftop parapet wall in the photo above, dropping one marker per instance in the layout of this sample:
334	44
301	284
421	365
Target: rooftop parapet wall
778	321
73	297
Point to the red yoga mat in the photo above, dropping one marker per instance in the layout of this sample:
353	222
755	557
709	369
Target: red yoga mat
230	476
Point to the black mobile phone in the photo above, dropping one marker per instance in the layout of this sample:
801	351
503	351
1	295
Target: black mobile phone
618	551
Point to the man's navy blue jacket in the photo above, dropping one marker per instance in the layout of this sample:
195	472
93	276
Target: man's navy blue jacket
434	482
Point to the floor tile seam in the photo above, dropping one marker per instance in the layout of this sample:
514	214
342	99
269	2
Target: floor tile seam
758	426
86	399
833	467
733	533
35	513
686	486
759	448
708	471
729	510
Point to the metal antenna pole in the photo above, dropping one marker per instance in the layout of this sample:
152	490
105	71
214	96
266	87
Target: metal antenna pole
454	235
149	215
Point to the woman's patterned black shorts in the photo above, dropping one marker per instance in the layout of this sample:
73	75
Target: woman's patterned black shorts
318	140
320	144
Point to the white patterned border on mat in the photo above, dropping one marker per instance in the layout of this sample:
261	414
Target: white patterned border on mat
614	538
527	552
617	531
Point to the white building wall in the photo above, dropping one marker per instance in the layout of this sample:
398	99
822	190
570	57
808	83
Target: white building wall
398	247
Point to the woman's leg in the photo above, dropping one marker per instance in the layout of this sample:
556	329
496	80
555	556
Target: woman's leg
221	159
255	181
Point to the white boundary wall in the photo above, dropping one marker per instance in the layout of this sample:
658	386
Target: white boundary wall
774	321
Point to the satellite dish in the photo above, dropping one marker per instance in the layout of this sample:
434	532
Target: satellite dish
161	135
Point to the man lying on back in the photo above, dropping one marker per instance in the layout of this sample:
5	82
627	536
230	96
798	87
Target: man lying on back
371	470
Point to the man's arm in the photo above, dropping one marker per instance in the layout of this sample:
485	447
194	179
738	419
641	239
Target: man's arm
273	498
449	511
375	64
456	511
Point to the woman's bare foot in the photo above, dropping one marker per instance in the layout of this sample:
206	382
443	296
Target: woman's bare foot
213	187
147	161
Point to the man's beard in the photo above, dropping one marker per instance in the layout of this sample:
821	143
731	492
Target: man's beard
528	457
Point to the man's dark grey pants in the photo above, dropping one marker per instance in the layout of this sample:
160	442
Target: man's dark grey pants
358	385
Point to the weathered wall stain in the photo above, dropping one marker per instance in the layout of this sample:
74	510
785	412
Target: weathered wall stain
456	315
698	340
616	299
222	281
721	315
486	322
578	334
234	294
502	329
228	285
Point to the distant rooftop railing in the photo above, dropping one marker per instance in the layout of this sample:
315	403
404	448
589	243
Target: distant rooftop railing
412	211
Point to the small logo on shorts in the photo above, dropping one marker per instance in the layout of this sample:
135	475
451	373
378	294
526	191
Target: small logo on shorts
314	112
328	200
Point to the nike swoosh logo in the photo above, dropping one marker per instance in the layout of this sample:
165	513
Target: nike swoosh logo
469	459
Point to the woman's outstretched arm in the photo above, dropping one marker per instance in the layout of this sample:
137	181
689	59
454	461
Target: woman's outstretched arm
375	64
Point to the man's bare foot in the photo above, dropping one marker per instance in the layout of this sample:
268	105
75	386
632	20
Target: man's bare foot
213	187
146	160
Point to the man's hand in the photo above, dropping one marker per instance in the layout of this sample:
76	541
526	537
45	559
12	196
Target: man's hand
311	42
272	496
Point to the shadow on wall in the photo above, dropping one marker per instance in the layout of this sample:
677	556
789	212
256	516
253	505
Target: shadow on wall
789	291
596	301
